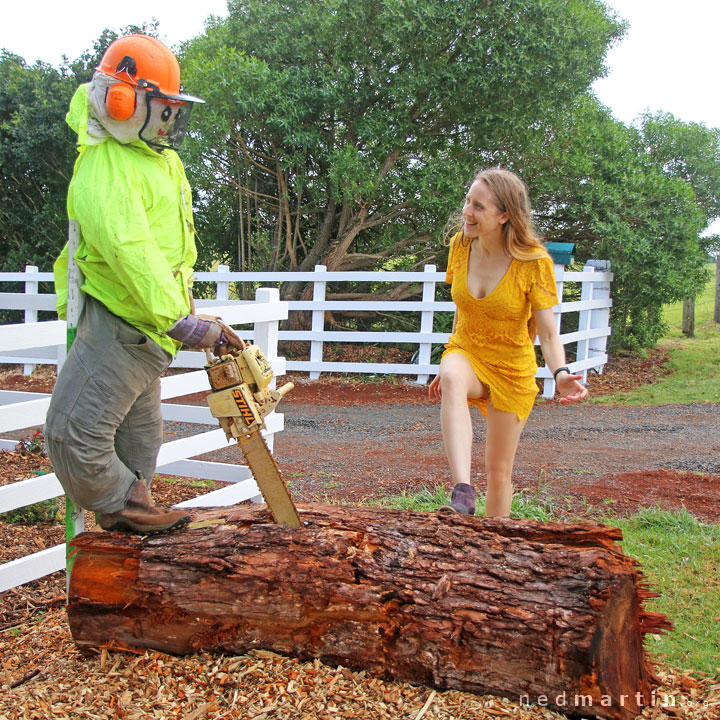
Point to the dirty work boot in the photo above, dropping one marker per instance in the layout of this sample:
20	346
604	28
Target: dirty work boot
140	514
463	500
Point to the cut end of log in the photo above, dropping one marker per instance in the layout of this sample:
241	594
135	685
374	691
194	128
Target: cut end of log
516	608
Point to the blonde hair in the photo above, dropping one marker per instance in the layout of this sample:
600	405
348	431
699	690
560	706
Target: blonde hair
511	196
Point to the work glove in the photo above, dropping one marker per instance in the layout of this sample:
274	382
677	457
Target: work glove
205	331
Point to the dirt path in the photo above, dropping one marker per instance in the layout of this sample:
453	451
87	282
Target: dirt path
354	441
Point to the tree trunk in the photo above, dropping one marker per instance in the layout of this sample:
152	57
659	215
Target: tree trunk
716	309
546	613
688	317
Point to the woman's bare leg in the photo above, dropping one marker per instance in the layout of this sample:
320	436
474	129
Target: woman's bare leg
503	436
458	382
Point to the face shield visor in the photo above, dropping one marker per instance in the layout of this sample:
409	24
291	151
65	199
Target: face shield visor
166	117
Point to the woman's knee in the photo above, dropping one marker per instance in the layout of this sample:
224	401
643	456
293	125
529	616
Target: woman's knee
452	381
457	377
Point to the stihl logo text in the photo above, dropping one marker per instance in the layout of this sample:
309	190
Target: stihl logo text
245	412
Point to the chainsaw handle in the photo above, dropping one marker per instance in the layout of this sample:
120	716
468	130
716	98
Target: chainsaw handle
285	389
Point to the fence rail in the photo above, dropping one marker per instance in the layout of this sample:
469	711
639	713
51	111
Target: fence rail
20	411
590	337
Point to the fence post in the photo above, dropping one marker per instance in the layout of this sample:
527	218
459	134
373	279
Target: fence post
222	287
549	383
599	318
586	294
318	321
688	317
31	286
426	323
74	517
265	334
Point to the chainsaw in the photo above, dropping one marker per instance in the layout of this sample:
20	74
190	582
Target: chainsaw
241	399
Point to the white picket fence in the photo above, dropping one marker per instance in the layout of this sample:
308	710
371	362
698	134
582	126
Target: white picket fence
590	336
20	412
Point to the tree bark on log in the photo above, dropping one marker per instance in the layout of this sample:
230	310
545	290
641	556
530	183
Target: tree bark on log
548	613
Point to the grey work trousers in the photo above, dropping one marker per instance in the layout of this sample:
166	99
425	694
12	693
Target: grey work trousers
104	423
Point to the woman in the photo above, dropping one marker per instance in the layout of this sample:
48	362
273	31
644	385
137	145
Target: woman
503	285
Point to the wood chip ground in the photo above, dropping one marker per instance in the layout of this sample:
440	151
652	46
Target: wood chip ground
42	675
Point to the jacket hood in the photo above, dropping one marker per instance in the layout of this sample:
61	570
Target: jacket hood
77	116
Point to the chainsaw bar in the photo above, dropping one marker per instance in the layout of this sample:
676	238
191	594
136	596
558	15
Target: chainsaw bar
269	480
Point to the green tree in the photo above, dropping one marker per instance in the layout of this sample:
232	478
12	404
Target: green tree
688	151
343	132
37	153
36	157
612	190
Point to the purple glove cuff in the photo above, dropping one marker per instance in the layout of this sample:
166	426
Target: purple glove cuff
189	330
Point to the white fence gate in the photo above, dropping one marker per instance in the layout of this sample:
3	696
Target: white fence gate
20	411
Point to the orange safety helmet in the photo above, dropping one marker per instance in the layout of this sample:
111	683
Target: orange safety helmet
141	62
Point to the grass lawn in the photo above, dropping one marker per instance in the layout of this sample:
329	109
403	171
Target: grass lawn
680	557
694	362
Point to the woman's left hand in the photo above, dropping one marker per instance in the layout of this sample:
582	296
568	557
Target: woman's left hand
434	391
570	388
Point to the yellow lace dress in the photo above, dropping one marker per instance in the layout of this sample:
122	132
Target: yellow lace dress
494	332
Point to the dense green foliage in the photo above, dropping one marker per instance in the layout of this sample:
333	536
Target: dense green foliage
637	196
345	133
36	156
37	153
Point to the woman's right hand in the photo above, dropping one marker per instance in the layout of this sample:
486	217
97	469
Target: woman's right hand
434	391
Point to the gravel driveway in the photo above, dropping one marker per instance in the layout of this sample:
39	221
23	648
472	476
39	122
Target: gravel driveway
624	457
349	441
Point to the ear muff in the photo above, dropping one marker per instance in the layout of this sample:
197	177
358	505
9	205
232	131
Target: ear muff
120	101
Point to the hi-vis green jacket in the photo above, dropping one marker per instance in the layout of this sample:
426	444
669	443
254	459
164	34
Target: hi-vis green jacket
137	247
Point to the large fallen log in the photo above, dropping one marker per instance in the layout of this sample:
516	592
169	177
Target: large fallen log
545	613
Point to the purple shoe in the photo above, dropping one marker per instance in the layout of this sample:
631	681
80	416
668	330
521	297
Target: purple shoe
463	500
